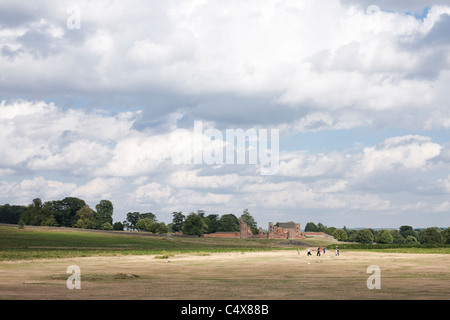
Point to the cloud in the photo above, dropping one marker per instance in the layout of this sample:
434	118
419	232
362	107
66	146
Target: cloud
264	63
92	111
24	191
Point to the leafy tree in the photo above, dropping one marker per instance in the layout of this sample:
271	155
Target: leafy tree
132	220
148	215
397	237
85	218
446	236
352	235
104	213
340	235
159	227
65	210
407	231
194	225
364	236
178	221
411	240
384	236
321	227
11	214
431	235
229	223
250	221
310	227
330	230
145	224
118	226
212	221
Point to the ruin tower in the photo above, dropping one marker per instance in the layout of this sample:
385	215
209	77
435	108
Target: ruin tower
270	234
243	229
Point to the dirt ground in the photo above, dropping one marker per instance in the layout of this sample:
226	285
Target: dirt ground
277	275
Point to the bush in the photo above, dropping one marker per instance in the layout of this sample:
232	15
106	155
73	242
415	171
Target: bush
411	240
106	226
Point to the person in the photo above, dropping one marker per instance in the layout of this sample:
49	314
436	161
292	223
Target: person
309	252
318	251
337	250
298	251
323	250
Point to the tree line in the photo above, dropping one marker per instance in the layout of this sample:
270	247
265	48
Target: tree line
68	212
75	213
404	235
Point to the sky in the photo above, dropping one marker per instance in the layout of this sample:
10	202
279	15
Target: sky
94	97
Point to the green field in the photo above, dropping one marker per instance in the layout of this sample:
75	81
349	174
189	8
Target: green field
48	243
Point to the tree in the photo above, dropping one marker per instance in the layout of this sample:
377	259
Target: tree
132	220
321	227
145	224
411	240
229	223
118	226
330	230
148	215
65	211
104	213
364	236
340	235
11	214
385	237
431	235
446	236
407	231
310	227
194	225
178	221
106	226
397	237
212	221
352	235
159	227
85	218
250	221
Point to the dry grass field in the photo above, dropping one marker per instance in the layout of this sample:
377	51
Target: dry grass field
272	275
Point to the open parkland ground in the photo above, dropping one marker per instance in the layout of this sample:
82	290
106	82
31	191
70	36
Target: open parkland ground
34	262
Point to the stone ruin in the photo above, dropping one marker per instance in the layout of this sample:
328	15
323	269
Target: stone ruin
284	230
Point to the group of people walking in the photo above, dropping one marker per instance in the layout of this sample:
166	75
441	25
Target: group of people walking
319	251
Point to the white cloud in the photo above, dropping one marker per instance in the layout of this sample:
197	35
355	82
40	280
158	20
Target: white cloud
302	66
22	192
98	188
410	152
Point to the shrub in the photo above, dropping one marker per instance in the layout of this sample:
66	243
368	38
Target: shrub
411	240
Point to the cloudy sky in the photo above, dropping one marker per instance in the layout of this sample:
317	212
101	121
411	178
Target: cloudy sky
91	94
